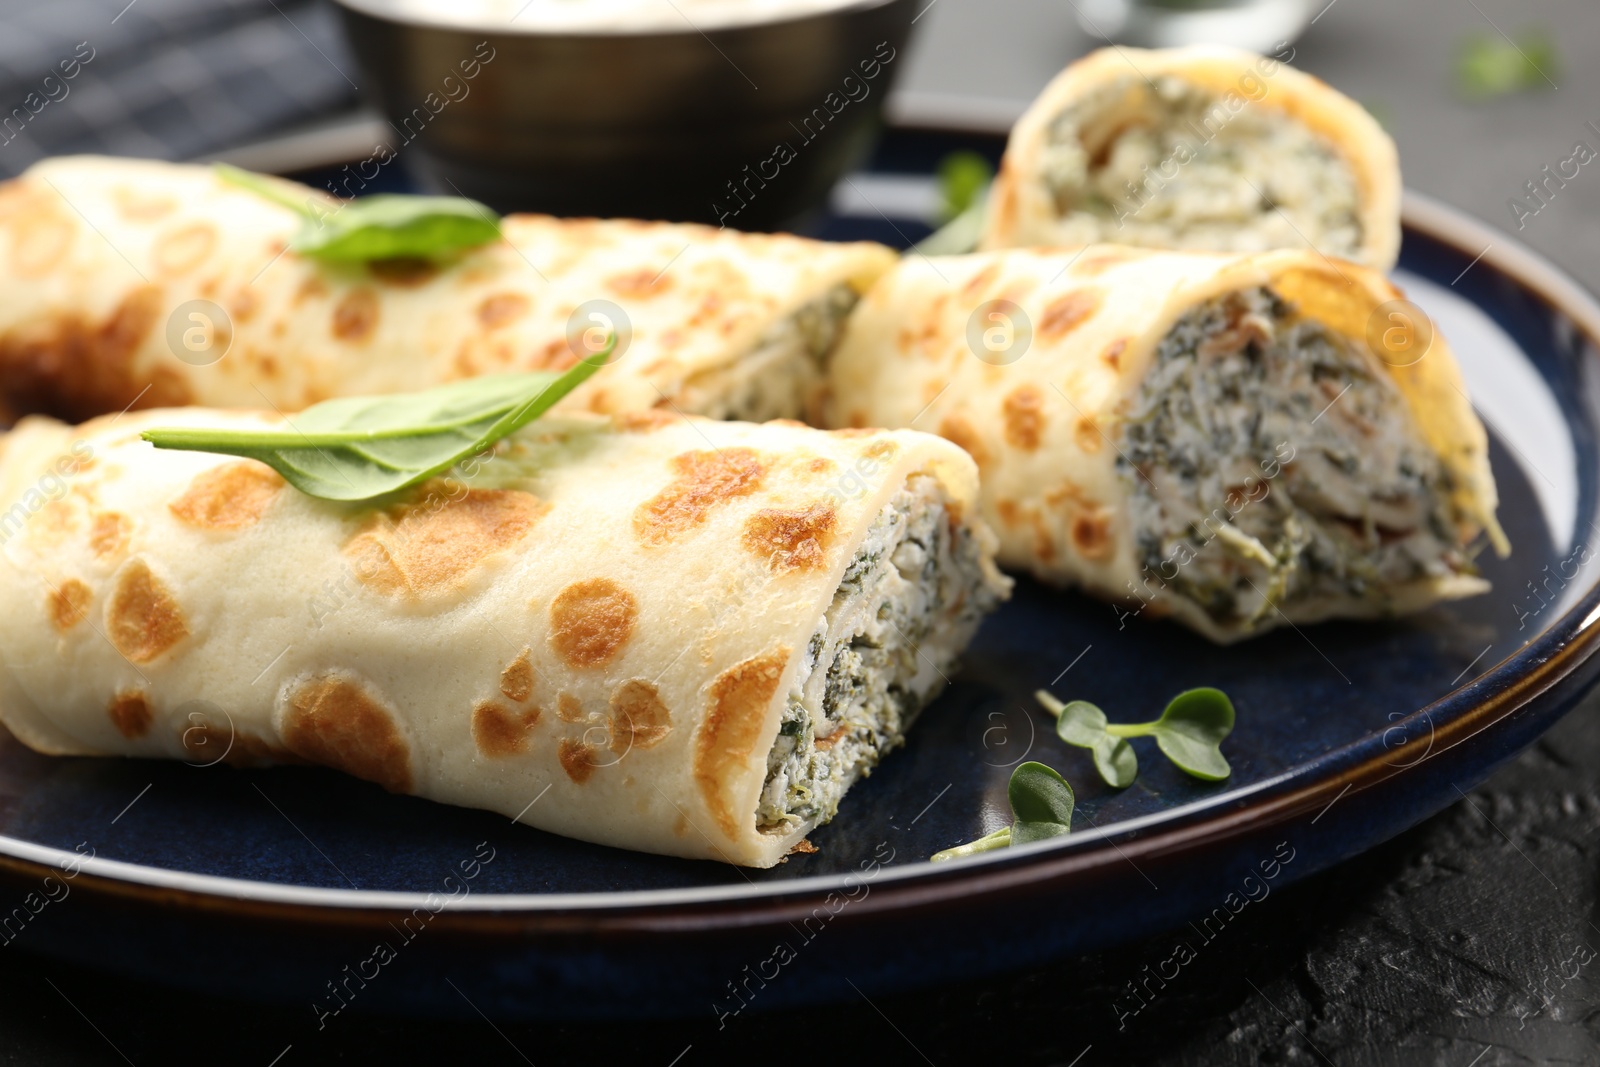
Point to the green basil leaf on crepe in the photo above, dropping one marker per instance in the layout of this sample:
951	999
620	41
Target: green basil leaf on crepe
379	227
358	448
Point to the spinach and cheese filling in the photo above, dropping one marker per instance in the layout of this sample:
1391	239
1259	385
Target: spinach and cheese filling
1272	463
1169	165
786	366
908	603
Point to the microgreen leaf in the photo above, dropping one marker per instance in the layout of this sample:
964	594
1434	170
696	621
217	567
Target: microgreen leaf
1192	729
384	226
1189	733
1041	808
963	178
1041	801
1488	66
1001	838
1082	724
358	448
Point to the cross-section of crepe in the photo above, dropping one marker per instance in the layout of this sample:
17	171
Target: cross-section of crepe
673	635
1202	148
1238	441
102	261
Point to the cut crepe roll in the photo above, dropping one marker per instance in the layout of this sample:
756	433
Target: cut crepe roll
1201	148
1205	436
104	263
679	636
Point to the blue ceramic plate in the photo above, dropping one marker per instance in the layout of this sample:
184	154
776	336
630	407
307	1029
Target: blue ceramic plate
303	885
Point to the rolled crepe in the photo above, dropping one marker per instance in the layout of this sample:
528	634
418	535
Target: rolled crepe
683	637
105	264
1201	148
1237	441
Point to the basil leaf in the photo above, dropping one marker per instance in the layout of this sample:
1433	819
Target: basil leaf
384	226
358	448
276	190
1192	729
1082	724
394	227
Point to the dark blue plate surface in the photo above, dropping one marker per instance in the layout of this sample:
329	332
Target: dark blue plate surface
302	885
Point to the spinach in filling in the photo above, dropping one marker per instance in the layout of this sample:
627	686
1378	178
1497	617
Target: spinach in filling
1170	166
1273	462
908	603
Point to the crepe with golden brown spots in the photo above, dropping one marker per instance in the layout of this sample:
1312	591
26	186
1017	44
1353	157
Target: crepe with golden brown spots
1205	148
670	634
102	261
1238	440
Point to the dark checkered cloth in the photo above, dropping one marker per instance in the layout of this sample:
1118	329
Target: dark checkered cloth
171	79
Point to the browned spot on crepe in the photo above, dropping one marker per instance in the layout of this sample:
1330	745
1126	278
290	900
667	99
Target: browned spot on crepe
958	430
109	533
209	743
568	708
1044	546
639	284
142	618
591	620
726	742
69	604
1067	313
229	497
516	681
1087	433
498	731
336	722
1099	263
502	309
74	368
701	481
429	548
577	759
1008	511
140	205
644	421
1113	353
39	239
183	249
792	540
356	316
1091	534
639	718
981	280
1023	409
130	714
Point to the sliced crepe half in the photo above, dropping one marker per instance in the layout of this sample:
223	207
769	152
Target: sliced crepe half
1237	441
1203	148
153	284
678	636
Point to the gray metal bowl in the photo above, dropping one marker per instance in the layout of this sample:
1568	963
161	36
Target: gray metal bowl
734	125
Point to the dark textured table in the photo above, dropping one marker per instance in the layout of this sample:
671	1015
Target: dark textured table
1470	941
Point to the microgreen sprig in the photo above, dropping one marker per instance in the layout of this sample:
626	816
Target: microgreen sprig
383	226
1041	808
1190	733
